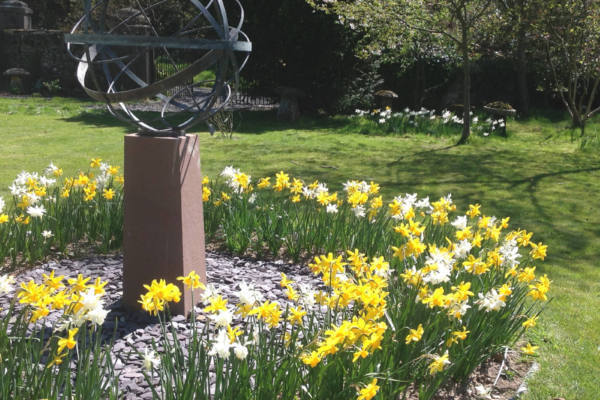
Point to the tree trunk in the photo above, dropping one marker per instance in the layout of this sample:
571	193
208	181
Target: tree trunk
522	74
419	90
466	93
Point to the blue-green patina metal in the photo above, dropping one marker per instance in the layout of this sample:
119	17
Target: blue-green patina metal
110	48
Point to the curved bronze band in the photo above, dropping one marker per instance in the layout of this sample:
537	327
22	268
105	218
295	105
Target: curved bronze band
158	42
148	91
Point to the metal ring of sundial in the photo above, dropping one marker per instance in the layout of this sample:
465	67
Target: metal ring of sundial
199	100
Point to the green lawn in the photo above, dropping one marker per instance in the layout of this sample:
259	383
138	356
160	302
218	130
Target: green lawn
538	176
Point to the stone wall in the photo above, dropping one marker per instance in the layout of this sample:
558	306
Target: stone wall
43	53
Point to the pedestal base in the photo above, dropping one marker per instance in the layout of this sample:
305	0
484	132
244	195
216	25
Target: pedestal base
163	234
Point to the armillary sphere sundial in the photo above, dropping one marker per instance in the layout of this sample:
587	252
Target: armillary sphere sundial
164	66
132	51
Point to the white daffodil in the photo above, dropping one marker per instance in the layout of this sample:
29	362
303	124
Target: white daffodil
6	284
490	301
460	222
50	169
209	292
17	190
424	204
151	360
307	295
240	351
321	188
36	211
308	193
223	318
47	181
248	295
359	211
229	172
462	249
90	300
47	234
510	253
97	315
221	345
483	393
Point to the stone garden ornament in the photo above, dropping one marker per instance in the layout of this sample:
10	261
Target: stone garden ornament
160	51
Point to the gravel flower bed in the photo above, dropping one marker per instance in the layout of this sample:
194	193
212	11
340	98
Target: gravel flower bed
136	330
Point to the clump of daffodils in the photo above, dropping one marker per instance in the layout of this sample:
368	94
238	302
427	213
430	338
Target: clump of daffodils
425	121
446	275
50	212
78	300
360	286
158	294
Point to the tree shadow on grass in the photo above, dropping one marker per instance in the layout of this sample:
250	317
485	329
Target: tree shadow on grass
510	191
429	151
246	122
98	118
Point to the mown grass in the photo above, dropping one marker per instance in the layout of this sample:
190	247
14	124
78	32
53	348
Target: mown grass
538	175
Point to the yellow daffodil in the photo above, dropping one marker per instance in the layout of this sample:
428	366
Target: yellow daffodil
217	303
108	194
295	316
269	312
530	322
439	363
285	282
95	162
68	342
369	391
113	170
436	299
311	359
192	281
158	294
264	183
53	282
360	353
462	334
98	286
282	181
414	334
529	349
206	193
526	275
538	251
78	284
233	333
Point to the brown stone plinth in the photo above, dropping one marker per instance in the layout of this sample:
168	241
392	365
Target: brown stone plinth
164	224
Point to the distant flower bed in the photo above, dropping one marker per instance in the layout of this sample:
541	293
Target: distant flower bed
414	295
384	121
